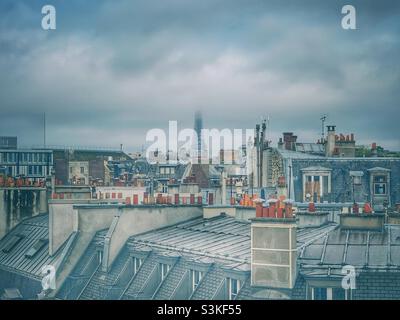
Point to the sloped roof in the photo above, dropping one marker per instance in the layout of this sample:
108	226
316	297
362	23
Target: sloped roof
287	154
31	230
361	249
313	148
378	169
316	168
222	237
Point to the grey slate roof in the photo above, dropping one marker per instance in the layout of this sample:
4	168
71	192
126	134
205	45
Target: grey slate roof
313	148
220	237
83	270
32	230
134	289
220	243
364	250
172	281
102	284
287	154
210	284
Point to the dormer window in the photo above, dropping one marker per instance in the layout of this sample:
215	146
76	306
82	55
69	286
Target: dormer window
316	183
233	288
137	262
167	170
100	256
164	268
380	185
196	278
335	293
356	177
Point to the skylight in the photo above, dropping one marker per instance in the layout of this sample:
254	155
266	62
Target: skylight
35	248
12	243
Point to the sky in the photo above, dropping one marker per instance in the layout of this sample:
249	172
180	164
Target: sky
113	70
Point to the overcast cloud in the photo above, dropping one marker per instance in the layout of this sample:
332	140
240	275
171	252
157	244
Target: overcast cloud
112	70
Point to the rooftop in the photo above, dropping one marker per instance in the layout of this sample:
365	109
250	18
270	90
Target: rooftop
25	248
366	250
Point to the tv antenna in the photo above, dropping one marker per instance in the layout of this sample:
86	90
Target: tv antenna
323	119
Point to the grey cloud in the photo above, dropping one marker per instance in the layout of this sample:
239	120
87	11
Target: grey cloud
110	72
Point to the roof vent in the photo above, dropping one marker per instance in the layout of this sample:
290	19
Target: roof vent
39	244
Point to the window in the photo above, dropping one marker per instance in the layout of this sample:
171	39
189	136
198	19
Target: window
82	170
136	264
12	243
380	183
316	184
196	278
339	294
164	188
100	256
233	288
319	294
336	293
39	244
356	177
164	270
70	170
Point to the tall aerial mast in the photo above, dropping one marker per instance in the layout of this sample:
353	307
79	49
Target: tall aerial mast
323	119
44	129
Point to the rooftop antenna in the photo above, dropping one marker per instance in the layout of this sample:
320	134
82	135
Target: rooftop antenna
44	129
323	119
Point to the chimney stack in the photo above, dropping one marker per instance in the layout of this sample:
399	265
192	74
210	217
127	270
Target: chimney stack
280	144
366	220
274	249
374	150
330	141
289	140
